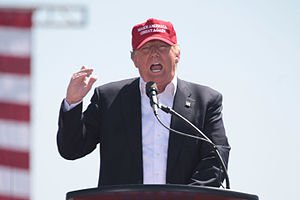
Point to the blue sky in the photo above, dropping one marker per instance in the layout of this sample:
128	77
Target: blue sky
247	50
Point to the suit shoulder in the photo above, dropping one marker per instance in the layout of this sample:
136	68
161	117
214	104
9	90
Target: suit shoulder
109	92
201	89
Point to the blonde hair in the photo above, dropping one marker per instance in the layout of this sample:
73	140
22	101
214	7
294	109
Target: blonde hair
176	49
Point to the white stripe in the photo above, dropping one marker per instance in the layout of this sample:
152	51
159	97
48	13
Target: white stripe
14	182
15	41
14	88
14	135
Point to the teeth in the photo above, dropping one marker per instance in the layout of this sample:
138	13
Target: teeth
155	70
156	67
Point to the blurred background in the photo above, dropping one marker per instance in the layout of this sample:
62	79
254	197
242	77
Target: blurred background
247	50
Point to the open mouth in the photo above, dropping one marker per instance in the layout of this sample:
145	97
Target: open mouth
156	67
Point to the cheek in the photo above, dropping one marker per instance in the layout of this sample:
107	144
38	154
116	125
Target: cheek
136	62
140	65
139	61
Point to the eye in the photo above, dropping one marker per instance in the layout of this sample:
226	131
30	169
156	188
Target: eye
145	49
163	48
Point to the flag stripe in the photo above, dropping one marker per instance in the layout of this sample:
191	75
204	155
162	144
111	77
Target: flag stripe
11	198
14	88
14	111
15	17
15	41
11	158
14	135
14	183
16	65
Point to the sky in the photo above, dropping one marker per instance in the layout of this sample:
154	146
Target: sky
249	50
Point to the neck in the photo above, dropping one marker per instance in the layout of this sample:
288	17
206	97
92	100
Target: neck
161	88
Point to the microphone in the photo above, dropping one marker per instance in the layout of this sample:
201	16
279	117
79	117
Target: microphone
151	91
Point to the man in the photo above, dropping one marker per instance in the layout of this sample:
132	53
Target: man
134	147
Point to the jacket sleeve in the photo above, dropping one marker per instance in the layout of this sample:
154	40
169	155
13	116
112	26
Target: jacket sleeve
209	171
77	133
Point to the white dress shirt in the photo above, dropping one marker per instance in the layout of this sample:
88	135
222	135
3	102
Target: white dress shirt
155	137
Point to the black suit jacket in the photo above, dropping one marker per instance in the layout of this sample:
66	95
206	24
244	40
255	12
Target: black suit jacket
113	120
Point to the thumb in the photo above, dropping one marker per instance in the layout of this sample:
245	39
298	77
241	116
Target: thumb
92	80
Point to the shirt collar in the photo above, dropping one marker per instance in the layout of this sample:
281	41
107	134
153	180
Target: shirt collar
170	88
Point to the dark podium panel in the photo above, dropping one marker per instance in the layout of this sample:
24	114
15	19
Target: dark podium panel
157	192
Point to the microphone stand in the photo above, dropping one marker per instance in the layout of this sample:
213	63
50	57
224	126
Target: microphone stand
203	137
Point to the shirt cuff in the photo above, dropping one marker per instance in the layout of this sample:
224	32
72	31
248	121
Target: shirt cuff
67	106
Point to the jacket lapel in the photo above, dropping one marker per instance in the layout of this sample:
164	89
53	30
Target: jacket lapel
131	111
183	104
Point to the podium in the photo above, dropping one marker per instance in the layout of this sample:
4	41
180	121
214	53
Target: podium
157	192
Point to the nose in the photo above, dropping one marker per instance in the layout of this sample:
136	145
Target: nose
154	51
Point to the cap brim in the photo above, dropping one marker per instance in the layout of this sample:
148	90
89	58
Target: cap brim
154	38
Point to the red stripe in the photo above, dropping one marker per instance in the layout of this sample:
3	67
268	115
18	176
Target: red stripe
13	158
17	65
12	198
15	17
14	111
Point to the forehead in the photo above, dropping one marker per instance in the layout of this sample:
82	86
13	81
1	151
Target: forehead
155	42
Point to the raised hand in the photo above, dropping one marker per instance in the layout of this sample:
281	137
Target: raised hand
80	84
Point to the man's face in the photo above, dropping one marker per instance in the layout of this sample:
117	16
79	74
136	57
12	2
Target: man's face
156	61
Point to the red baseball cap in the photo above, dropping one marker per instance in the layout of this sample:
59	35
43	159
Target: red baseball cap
153	29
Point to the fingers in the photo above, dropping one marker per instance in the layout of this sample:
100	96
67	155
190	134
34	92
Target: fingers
84	69
91	81
83	73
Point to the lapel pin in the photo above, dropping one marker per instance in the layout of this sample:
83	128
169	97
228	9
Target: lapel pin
187	104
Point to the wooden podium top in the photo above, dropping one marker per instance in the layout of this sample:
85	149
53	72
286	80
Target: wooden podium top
157	192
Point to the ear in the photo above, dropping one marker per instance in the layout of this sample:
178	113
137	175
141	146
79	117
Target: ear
177	53
177	58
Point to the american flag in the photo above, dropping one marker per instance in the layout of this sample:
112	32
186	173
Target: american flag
15	54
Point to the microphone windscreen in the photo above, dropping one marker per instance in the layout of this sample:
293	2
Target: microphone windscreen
150	87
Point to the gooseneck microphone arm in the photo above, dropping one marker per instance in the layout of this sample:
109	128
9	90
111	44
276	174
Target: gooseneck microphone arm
151	91
202	137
